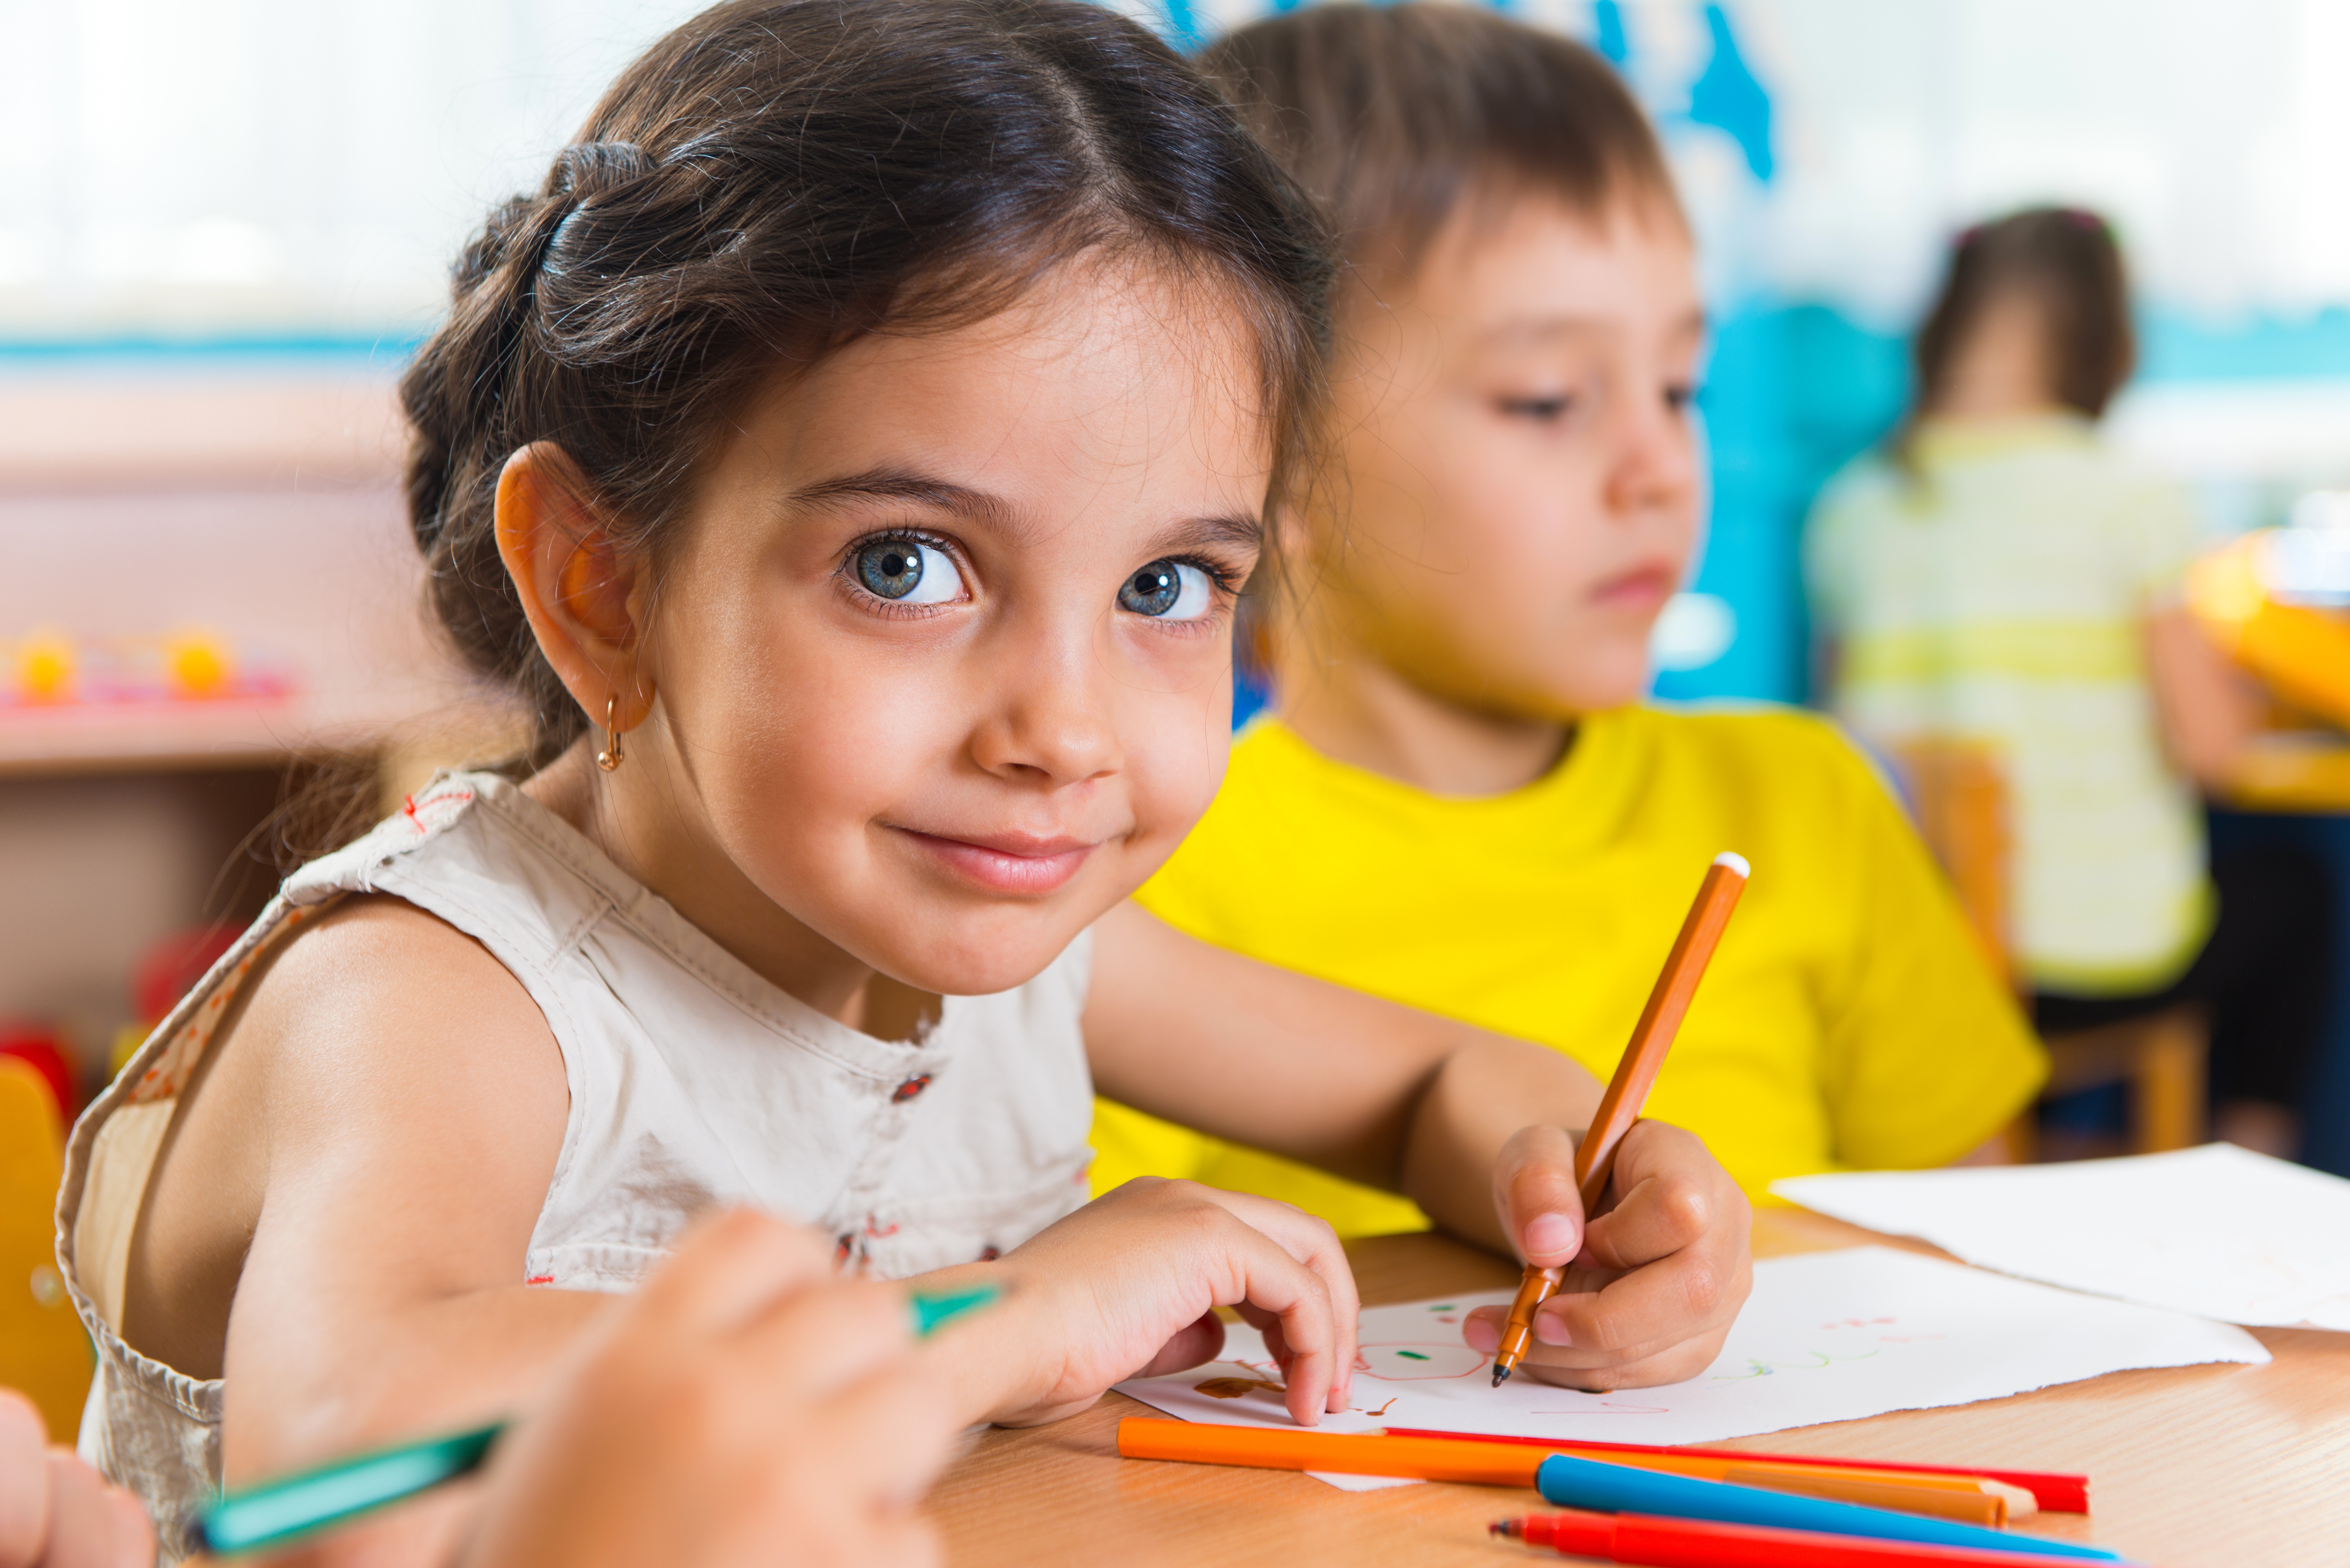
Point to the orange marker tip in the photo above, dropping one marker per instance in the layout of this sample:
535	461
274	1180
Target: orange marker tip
1728	861
1501	1375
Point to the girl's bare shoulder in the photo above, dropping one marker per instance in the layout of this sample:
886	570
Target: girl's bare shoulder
376	1050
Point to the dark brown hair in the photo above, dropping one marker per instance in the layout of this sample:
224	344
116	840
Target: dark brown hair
772	180
2065	260
1390	115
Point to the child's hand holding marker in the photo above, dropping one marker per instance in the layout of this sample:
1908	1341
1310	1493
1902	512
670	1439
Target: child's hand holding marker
55	1511
745	1405
1652	1284
1659	1274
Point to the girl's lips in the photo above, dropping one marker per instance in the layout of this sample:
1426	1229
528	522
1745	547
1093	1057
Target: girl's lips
1015	865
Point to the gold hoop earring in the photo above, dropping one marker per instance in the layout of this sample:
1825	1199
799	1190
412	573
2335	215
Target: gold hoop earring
611	758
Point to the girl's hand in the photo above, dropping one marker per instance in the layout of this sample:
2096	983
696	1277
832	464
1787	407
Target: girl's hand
55	1512
745	1407
1653	1283
1126	1287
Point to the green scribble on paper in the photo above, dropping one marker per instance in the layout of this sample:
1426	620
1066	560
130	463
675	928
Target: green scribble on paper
1412	1355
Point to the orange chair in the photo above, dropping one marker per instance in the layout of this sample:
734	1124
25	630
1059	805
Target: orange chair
1959	792
43	1350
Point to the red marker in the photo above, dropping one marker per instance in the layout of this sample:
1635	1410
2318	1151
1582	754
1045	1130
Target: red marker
1701	1543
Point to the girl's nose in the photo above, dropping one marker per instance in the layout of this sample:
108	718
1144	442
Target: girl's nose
1051	721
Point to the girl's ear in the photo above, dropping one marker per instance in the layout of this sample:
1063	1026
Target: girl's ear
584	596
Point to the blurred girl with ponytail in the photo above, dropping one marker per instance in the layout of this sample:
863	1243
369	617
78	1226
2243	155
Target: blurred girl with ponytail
851	456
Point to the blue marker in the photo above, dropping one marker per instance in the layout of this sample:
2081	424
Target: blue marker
1571	1482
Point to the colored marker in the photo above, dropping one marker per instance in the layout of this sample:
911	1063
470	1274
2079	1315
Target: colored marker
1511	1464
1615	1488
1628	1091
1699	1544
270	1515
2058	1491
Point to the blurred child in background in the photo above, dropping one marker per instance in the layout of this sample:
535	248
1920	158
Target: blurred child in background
2003	575
1459	800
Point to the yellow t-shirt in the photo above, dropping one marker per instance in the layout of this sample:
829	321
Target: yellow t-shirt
1847	1020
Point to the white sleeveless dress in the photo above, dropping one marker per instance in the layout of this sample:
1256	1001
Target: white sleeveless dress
693	1082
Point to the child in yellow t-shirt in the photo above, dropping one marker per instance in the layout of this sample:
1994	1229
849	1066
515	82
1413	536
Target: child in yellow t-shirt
1456	802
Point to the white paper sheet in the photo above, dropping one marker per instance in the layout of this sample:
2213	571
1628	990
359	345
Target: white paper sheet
2218	1232
1826	1336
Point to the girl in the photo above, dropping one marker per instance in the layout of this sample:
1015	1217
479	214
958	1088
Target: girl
2010	580
851	454
1457	731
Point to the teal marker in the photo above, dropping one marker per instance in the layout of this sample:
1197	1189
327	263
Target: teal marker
1572	1482
263	1517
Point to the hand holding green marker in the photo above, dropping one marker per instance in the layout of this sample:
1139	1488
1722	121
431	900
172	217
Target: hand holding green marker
279	1511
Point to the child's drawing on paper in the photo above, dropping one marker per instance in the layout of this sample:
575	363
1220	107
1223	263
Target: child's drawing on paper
1829	1336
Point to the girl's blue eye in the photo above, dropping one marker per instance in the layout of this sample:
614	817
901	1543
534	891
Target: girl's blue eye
1168	590
908	572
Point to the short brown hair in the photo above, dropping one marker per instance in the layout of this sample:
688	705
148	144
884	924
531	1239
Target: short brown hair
1390	115
2064	259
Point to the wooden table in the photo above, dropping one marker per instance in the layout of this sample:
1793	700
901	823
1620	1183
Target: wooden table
2196	1467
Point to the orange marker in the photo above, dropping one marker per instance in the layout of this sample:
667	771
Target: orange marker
1594	1157
1504	1463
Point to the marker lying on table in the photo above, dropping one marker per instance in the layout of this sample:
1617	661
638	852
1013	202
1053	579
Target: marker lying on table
278	1512
2060	1492
1628	1091
1633	1538
1618	1489
1511	1464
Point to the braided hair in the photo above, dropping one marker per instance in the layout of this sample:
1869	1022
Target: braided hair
777	177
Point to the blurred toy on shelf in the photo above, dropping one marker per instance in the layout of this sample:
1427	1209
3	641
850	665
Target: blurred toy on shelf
50	669
37	1046
2277	602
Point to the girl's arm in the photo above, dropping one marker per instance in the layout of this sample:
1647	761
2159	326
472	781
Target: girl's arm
2208	710
1476	1128
411	1104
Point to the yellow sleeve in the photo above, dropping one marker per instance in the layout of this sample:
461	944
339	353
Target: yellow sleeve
1927	1052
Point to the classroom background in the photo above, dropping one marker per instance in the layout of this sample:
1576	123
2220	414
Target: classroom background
229	224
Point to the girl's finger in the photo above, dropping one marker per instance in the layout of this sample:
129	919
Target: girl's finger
1534	1193
1298	1297
1201	1340
23	1481
826	1338
886	1439
729	1268
134	1532
1311	1242
82	1525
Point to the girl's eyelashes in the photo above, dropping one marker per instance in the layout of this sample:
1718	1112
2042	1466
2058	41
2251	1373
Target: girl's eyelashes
1682	396
1170	589
905	570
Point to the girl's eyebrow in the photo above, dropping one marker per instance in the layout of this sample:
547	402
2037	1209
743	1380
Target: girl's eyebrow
898	484
1235	531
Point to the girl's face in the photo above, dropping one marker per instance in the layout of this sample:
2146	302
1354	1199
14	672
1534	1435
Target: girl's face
942	659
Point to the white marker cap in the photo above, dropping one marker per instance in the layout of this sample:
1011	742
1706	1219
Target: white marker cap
1735	862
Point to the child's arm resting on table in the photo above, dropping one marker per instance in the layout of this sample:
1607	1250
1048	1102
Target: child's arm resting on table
1478	1129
